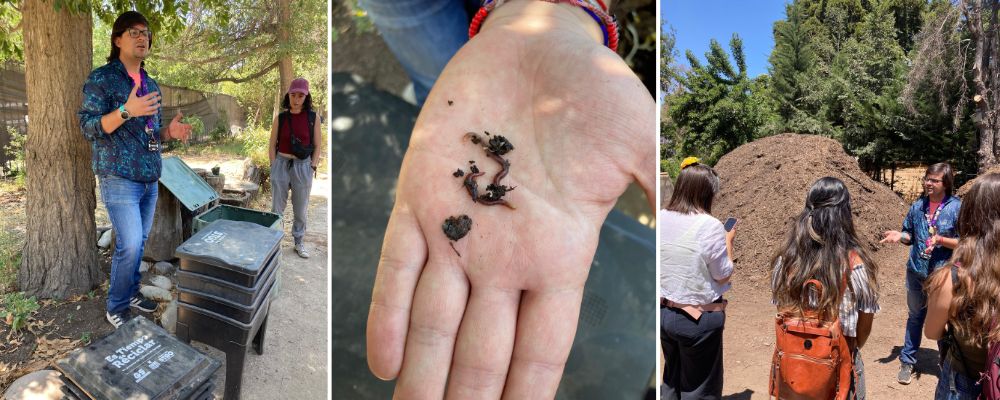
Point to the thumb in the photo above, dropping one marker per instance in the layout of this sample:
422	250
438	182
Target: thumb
135	88
178	116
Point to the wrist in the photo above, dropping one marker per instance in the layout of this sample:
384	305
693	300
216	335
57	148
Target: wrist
535	17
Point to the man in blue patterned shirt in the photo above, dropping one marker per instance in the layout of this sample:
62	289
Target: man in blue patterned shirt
121	118
931	232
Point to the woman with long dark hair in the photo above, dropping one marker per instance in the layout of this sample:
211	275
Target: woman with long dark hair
963	299
696	261
294	152
824	246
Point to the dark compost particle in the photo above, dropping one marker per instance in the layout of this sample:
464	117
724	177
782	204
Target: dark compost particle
499	145
458	173
456	228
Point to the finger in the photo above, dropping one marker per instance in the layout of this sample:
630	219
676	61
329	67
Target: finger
403	255
484	345
179	115
438	305
545	330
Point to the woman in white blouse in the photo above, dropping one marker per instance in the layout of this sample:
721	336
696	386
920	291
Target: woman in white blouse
696	262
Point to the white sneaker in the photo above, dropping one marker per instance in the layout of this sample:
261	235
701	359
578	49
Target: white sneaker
300	249
117	319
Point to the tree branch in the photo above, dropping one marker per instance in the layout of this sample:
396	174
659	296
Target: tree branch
247	78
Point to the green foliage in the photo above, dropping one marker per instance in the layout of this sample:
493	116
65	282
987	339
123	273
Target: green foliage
792	61
17	308
669	72
720	108
10	37
197	126
15	154
239	55
10	259
848	69
255	145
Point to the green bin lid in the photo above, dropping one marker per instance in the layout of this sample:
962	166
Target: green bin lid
185	184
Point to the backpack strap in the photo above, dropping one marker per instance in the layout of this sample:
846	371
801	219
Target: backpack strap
282	117
312	128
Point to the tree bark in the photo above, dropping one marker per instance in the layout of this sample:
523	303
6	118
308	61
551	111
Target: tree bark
286	71
60	254
986	121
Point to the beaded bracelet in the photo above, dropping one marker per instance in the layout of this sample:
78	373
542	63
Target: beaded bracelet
594	8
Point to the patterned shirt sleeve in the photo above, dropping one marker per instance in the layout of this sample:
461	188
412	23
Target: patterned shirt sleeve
865	295
92	109
908	223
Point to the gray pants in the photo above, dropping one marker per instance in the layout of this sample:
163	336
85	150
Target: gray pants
297	175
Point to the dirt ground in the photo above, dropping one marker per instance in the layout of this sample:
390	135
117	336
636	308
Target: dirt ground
764	186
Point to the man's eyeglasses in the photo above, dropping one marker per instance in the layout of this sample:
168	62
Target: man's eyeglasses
134	33
931	180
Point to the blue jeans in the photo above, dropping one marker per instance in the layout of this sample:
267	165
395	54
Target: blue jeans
422	34
916	301
955	386
130	207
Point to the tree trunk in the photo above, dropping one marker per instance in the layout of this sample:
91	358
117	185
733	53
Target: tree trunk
985	120
60	254
286	71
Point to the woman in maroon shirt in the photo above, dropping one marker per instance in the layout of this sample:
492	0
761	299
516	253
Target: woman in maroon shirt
294	152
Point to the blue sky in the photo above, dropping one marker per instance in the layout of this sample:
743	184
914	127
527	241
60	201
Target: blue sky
698	21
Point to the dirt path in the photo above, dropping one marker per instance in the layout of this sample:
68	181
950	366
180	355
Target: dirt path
749	342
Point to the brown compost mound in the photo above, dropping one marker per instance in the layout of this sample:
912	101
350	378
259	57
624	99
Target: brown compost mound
968	185
764	185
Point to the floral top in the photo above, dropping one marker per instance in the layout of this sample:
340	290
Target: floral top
124	152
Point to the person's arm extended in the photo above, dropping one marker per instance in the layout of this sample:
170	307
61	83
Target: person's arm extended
864	327
951	243
938	304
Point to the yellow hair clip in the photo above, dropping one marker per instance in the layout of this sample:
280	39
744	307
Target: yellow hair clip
689	161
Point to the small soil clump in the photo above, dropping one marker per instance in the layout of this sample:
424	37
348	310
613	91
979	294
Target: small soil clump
456	228
499	145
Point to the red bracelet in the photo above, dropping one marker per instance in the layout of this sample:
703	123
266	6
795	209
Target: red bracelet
594	8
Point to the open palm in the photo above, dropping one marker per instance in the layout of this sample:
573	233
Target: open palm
496	316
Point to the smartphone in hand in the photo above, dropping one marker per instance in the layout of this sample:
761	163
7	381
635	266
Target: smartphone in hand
730	223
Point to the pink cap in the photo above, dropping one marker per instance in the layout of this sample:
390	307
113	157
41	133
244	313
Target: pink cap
299	85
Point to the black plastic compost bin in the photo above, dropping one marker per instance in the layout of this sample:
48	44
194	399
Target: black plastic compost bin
227	272
196	195
139	360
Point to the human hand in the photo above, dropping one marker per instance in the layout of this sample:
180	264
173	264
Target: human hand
179	130
141	106
499	320
891	237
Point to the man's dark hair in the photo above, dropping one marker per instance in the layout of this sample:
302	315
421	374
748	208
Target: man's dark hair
947	176
307	105
127	20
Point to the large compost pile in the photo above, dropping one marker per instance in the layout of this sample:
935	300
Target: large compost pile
764	184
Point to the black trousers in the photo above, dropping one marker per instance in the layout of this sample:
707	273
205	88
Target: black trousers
693	354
